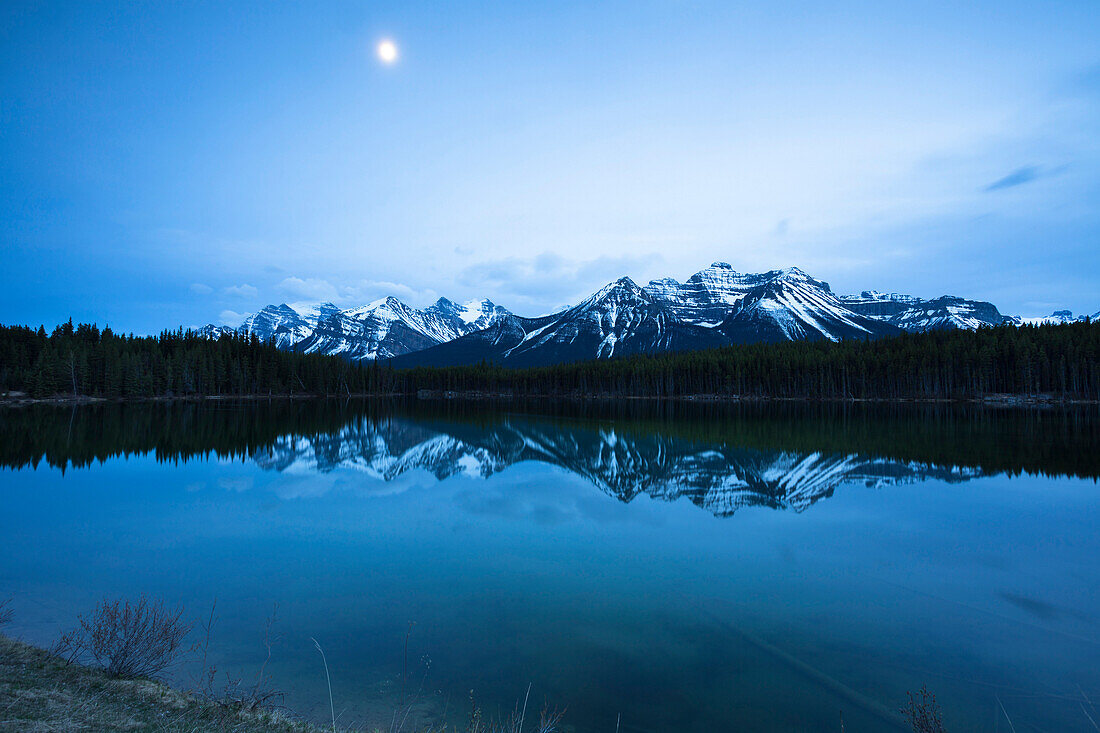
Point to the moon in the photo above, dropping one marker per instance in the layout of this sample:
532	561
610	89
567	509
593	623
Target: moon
387	51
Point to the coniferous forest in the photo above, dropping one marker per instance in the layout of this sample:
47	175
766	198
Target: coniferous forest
1059	361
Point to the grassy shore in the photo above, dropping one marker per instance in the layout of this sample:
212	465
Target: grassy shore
40	692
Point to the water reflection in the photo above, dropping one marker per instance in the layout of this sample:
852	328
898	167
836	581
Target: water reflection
718	477
720	457
490	526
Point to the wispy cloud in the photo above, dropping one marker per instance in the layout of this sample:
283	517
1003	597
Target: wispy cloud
241	291
366	291
547	280
201	289
312	289
230	318
1018	177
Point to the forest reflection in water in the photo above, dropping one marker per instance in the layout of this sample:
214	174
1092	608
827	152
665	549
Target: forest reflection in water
601	551
719	456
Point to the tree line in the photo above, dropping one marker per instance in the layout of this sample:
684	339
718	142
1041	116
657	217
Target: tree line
88	362
1053	442
1057	360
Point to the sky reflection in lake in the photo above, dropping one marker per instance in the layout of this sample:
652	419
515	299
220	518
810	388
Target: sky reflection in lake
722	570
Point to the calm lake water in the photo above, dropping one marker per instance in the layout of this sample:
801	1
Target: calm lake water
694	568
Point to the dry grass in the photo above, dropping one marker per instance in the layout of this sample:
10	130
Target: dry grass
41	692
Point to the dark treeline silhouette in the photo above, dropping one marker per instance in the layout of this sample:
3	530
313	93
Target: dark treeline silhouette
85	361
1036	440
1057	360
1062	360
173	431
1048	441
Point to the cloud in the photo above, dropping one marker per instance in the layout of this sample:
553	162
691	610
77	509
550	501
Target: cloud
230	318
236	484
306	293
547	280
242	291
201	289
1018	177
366	291
313	289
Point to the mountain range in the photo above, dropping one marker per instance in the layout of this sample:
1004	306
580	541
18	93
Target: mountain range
716	306
718	477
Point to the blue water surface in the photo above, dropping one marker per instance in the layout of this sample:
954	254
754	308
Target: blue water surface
619	571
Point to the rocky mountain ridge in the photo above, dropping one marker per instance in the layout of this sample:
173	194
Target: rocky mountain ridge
716	306
716	477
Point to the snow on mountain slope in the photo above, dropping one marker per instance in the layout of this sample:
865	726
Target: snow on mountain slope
617	320
916	314
715	476
706	297
382	329
716	306
1058	318
211	331
280	323
791	305
772	306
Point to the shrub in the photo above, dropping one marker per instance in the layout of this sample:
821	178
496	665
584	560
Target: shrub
923	713
126	639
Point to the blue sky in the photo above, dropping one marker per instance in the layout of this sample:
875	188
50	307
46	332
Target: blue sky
180	163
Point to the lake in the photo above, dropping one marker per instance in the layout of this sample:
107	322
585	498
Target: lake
690	567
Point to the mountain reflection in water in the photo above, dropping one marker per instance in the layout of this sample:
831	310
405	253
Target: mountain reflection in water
718	477
719	457
575	547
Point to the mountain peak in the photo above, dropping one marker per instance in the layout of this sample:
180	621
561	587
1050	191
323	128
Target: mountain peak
618	288
715	306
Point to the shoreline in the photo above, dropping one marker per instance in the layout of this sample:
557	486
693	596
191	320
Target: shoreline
992	400
41	691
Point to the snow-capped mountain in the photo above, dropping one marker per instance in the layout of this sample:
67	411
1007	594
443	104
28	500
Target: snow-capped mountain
1060	317
718	477
280	323
778	305
915	314
707	297
791	305
211	331
619	319
383	329
716	306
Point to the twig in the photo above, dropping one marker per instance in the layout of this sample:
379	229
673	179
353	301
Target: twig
1010	725
405	663
206	680
257	689
524	713
331	707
